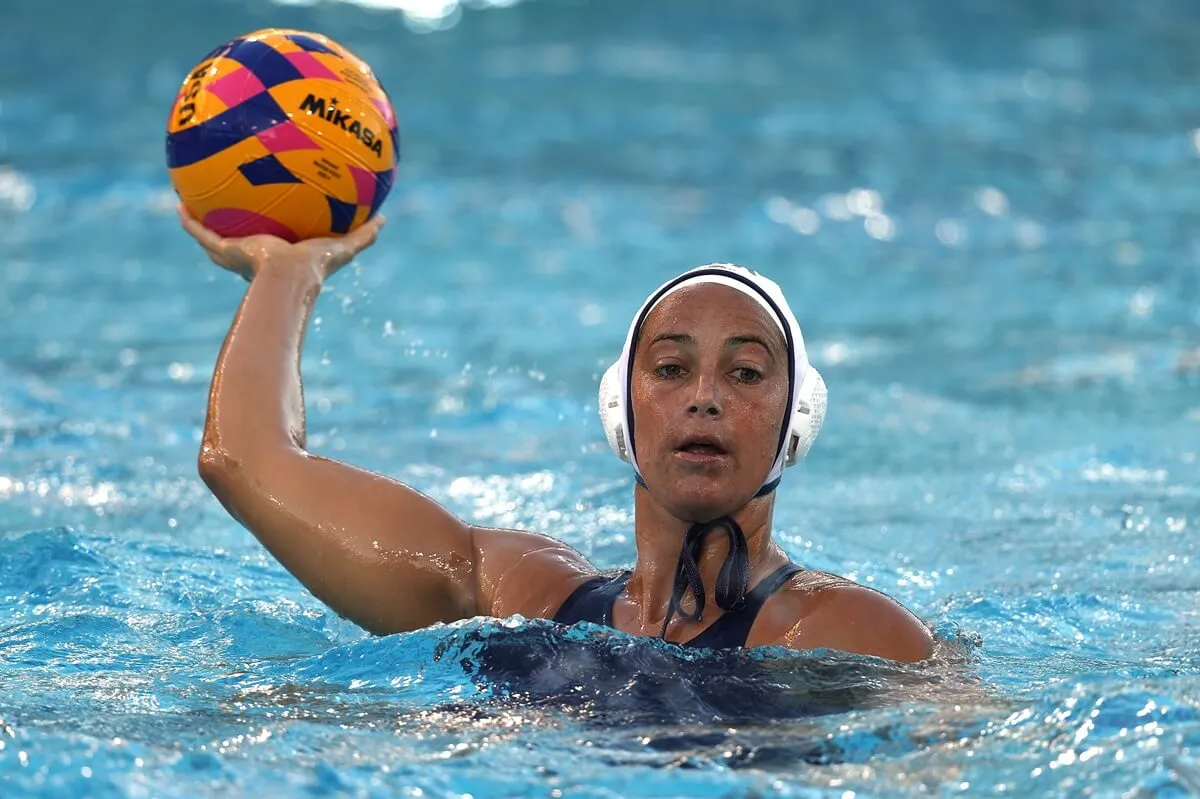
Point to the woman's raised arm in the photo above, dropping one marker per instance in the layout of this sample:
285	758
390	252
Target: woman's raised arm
375	550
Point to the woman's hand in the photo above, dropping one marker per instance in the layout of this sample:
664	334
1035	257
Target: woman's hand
247	256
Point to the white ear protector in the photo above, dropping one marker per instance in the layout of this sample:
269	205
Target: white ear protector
808	416
612	414
804	427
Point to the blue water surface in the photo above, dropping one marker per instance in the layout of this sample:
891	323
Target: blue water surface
985	214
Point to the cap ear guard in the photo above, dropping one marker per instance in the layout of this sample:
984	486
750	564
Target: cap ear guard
808	417
612	415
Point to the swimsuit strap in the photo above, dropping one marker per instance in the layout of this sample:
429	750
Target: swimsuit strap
733	627
593	600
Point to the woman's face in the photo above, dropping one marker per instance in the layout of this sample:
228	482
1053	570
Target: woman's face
709	392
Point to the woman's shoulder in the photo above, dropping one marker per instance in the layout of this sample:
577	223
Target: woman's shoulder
820	610
526	573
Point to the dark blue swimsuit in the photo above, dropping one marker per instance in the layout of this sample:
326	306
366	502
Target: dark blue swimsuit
593	601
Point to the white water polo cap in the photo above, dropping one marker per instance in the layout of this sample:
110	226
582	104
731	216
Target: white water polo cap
806	406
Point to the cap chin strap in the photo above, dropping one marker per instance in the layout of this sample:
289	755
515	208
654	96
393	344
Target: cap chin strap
762	492
733	581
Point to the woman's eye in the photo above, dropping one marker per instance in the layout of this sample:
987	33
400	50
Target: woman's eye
669	370
745	374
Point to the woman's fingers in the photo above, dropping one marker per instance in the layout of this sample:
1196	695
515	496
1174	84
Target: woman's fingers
365	236
208	239
211	242
341	251
226	253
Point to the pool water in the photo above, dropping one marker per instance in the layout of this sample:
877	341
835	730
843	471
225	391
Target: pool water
985	215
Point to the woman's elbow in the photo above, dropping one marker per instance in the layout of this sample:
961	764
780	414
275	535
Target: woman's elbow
219	468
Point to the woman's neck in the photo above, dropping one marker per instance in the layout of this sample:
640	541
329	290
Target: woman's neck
659	537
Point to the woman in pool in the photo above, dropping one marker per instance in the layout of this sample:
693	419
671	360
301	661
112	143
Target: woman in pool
711	398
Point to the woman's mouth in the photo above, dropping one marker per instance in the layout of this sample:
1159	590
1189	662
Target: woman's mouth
700	450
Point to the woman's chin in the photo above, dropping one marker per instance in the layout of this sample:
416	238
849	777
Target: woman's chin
700	504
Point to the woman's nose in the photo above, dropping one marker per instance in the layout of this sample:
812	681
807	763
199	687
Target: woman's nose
705	400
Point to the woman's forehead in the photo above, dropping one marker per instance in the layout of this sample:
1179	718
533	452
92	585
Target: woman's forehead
710	305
